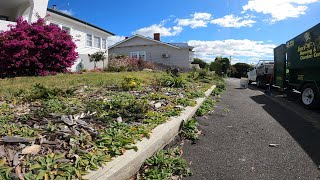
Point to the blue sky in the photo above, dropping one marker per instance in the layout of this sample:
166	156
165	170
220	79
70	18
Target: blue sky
247	30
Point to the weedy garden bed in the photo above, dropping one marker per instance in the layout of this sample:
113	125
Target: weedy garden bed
60	127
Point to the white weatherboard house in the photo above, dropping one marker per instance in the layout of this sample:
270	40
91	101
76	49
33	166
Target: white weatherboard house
154	50
88	38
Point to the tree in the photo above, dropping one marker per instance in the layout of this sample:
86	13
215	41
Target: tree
97	57
216	67
35	49
220	65
225	63
201	63
241	69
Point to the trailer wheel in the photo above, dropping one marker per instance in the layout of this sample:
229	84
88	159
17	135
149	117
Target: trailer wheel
309	95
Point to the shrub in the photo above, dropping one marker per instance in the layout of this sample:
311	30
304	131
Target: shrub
97	57
35	49
123	64
120	64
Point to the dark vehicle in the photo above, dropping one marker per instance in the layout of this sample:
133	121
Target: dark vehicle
297	65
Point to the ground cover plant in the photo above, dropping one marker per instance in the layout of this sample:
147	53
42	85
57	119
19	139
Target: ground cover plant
59	127
165	164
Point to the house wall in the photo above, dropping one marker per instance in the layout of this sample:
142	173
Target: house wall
38	7
4	25
154	51
79	32
28	9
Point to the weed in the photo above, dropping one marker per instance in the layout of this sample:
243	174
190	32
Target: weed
50	167
154	118
17	130
195	94
206	107
4	169
164	165
186	102
91	161
172	111
54	106
131	83
190	130
156	96
226	110
39	91
120	137
172	81
124	105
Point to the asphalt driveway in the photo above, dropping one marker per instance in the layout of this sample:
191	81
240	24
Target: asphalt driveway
237	138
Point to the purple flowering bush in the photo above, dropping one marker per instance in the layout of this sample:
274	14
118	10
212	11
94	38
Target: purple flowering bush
35	49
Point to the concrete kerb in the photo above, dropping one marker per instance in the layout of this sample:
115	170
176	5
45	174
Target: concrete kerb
125	166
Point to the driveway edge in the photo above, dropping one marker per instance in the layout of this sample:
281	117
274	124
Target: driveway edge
125	166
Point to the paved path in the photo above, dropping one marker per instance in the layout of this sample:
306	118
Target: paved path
235	144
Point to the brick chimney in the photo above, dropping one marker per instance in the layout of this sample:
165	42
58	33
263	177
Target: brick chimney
156	36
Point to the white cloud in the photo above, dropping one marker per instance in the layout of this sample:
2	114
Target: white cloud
279	9
159	28
233	21
68	12
114	39
239	49
197	20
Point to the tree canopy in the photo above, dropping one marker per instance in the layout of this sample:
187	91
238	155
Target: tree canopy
201	63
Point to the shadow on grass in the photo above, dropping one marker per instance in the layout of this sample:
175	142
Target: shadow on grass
300	129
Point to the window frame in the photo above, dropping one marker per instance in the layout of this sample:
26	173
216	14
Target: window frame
139	54
94	43
89	40
103	43
66	27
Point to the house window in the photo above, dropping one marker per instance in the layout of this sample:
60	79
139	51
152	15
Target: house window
67	29
134	55
142	55
89	40
4	18
138	55
53	24
97	42
104	44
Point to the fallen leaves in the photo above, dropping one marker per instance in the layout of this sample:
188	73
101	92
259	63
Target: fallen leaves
34	149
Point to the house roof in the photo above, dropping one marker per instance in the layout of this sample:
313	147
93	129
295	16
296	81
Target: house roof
78	20
182	45
160	42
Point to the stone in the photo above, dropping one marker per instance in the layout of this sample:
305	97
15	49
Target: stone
119	119
157	105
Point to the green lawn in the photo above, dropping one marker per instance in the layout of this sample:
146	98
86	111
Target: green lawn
68	80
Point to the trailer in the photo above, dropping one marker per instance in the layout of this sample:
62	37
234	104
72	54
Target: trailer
297	65
262	73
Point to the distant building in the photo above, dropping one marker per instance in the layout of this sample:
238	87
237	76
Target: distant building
154	50
88	38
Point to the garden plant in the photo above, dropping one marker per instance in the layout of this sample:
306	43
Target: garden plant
53	129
